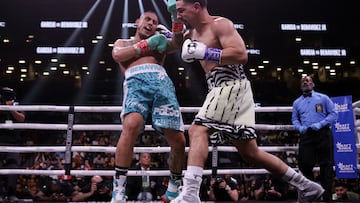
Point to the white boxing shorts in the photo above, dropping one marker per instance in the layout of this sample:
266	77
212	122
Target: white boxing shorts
229	104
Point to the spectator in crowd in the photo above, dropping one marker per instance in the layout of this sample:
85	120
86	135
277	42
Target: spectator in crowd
143	188
255	189
312	115
223	189
343	194
98	161
9	137
55	191
97	190
274	189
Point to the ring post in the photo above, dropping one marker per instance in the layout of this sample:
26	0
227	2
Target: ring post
68	156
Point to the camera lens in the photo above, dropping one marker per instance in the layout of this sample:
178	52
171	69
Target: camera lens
218	180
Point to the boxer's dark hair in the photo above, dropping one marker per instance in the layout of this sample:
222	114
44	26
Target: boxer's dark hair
203	3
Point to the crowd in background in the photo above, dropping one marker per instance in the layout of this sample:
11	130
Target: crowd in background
60	188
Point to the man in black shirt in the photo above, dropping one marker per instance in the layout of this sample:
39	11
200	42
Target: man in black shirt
9	137
223	189
97	190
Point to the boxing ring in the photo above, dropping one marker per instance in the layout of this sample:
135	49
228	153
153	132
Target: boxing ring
71	126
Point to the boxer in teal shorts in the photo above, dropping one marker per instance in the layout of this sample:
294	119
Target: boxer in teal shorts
148	91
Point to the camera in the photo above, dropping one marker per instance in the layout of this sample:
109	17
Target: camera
218	180
267	185
100	185
7	94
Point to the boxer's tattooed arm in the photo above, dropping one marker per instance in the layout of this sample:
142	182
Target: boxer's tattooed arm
129	43
176	42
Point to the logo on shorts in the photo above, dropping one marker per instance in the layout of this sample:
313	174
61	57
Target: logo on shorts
166	110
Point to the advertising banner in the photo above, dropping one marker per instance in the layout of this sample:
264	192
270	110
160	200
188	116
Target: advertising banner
344	139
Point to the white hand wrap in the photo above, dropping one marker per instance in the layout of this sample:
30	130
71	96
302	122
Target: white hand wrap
194	50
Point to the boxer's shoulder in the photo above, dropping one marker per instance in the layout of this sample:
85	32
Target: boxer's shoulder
125	42
220	19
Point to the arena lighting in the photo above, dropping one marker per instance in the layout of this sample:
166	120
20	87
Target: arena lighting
40	83
95	56
141	6
125	30
162	20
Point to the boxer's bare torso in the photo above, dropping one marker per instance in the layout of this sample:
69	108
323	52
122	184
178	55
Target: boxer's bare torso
155	57
216	32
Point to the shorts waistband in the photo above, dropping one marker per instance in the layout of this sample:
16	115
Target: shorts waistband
144	68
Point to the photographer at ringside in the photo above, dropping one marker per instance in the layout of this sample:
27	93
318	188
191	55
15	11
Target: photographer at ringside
274	189
98	191
223	189
9	137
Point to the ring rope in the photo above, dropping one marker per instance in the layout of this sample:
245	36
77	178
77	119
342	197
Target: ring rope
130	172
93	109
104	149
42	126
110	127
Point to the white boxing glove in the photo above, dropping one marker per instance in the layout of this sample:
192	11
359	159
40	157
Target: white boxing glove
161	29
194	50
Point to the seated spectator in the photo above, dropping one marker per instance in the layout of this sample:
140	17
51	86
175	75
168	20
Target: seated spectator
342	193
143	188
97	190
98	161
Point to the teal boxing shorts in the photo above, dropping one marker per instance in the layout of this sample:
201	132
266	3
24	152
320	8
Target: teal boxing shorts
148	89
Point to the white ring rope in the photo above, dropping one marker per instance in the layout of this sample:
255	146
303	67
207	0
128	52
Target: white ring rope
117	108
130	172
136	149
110	127
118	127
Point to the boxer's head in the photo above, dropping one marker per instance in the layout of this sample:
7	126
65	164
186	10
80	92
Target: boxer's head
188	11
146	24
203	3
